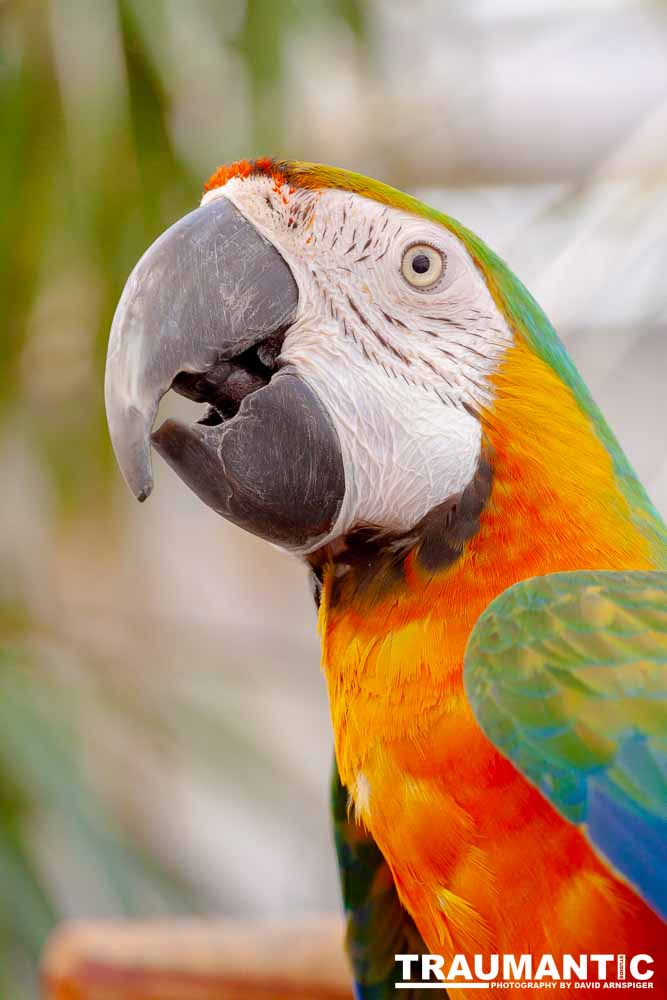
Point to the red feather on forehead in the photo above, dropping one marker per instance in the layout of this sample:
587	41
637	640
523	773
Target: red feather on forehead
263	166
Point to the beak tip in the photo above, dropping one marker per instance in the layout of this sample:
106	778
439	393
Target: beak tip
128	430
141	487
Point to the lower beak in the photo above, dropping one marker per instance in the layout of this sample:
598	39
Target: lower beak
204	312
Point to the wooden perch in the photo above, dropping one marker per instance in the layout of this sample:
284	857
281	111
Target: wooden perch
197	960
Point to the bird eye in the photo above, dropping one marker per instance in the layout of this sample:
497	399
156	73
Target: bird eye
422	265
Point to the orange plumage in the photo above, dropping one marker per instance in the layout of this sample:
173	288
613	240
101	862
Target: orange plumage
480	858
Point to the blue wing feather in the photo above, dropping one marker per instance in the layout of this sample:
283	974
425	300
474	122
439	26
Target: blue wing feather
567	676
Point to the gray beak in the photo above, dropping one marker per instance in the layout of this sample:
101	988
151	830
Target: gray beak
204	312
207	290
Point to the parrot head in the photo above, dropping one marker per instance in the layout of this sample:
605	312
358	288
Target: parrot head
348	341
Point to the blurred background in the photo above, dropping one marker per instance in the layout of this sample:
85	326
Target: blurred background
164	734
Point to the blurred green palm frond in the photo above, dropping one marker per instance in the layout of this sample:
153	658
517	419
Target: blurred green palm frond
47	801
71	842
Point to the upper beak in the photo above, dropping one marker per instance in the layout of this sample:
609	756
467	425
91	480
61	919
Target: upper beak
208	289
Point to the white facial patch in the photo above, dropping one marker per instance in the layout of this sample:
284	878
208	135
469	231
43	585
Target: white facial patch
402	370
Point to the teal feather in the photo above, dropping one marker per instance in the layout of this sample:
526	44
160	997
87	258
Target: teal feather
567	676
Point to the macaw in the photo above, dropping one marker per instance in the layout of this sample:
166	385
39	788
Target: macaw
389	403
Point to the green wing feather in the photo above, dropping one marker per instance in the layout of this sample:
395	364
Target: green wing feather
378	927
567	676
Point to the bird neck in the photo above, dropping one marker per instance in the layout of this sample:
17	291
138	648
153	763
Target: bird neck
394	625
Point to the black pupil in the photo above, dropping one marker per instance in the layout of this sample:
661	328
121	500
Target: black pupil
420	263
